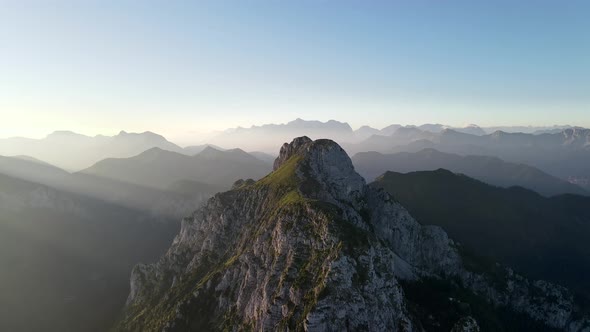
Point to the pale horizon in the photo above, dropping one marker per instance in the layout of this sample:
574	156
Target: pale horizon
172	165
197	137
179	69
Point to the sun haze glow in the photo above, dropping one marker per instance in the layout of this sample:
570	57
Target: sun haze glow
184	69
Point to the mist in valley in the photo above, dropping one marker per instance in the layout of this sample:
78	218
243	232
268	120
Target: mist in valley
71	238
294	166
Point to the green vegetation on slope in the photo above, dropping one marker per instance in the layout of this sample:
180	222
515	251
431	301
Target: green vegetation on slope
283	215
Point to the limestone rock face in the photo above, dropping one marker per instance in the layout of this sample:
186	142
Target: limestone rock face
290	149
310	247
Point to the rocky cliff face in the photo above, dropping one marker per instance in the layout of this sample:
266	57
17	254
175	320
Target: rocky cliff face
311	247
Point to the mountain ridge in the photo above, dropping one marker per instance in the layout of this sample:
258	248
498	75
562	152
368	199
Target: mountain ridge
516	226
489	169
72	151
564	154
311	246
160	168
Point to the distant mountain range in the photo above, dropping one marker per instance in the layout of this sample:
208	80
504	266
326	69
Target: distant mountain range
66	258
165	202
68	240
269	138
491	170
73	151
542	237
565	154
568	138
160	168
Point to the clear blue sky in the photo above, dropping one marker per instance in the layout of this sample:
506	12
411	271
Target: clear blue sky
182	67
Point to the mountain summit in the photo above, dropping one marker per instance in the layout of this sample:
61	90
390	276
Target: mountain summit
312	247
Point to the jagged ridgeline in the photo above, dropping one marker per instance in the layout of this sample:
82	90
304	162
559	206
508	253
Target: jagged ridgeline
311	247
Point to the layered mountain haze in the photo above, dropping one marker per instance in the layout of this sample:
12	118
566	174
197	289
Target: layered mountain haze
437	128
312	247
195	149
491	170
160	168
157	180
574	138
31	169
165	202
73	152
294	166
529	129
299	242
266	157
269	137
565	154
365	132
66	258
72	238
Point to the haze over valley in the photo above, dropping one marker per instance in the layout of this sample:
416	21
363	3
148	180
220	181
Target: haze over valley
134	197
317	166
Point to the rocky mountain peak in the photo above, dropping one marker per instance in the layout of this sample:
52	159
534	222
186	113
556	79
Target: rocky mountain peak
288	150
309	247
323	169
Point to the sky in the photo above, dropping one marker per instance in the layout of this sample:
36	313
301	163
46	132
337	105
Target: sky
184	68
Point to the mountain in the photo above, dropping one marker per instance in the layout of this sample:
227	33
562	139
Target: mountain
565	154
31	159
268	138
159	168
73	151
195	149
401	136
311	247
31	169
433	128
546	238
472	129
66	258
164	202
528	129
569	138
365	132
389	130
491	170
437	128
268	158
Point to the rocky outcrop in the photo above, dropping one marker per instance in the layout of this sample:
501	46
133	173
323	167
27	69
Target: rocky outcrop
310	247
